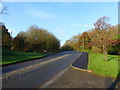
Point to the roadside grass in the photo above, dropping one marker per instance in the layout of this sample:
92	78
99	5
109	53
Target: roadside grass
106	68
9	56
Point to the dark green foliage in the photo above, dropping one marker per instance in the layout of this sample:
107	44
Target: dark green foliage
6	38
66	48
18	44
52	43
115	50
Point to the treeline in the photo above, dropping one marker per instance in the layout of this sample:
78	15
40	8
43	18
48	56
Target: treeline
35	39
104	38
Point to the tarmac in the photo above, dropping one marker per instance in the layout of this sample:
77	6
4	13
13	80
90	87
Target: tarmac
73	78
77	76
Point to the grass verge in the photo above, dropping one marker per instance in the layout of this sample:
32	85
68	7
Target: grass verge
9	57
106	68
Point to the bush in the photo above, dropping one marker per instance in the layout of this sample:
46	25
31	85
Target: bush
96	49
113	51
85	50
66	48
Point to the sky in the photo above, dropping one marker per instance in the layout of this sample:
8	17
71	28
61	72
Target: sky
63	19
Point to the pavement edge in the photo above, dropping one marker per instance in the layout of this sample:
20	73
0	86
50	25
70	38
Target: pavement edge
77	67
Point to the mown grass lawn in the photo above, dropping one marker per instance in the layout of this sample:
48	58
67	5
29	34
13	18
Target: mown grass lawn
9	56
106	68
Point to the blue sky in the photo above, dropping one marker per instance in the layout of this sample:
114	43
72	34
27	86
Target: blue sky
63	19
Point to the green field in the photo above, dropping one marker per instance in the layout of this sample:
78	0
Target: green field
106	68
9	56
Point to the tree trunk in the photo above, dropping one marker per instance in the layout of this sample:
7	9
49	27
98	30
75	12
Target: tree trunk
105	53
83	46
105	56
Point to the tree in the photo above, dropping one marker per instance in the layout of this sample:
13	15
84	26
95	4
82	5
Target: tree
3	31
85	39
36	39
52	43
101	27
114	33
103	38
66	48
18	43
6	38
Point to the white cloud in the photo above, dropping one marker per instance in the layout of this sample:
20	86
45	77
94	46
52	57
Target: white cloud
13	32
10	31
40	14
80	25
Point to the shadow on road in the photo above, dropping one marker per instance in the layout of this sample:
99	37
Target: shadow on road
82	61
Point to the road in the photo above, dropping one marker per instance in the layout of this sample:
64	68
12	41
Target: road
34	73
82	62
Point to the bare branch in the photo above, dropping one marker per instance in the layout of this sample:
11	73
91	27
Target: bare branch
3	8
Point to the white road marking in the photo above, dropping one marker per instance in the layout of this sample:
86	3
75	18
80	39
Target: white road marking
51	81
23	70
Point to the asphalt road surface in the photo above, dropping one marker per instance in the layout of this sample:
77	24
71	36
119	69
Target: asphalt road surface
81	62
30	74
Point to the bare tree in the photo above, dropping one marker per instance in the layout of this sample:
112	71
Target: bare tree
3	8
101	27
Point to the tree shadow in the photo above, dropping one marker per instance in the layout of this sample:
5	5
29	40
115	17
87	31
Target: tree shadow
116	81
111	58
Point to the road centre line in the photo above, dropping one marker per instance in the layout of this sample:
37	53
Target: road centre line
20	71
53	79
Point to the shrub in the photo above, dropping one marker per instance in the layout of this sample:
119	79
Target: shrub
96	49
113	51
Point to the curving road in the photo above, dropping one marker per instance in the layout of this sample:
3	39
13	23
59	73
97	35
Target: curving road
30	74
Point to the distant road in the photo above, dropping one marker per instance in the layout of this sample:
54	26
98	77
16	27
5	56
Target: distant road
30	74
